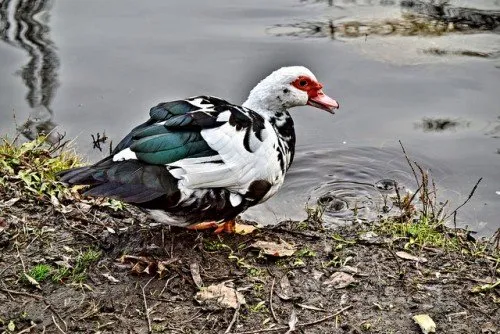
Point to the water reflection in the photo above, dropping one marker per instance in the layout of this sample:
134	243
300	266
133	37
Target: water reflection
414	18
24	25
465	18
441	124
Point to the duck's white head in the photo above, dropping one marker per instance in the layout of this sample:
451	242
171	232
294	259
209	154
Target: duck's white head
289	87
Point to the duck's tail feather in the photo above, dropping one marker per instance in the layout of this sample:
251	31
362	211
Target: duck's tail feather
130	181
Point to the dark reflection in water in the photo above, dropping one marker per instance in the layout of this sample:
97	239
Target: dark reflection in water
419	18
441	124
24	25
471	18
467	53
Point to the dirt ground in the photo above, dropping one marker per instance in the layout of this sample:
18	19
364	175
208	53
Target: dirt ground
142	278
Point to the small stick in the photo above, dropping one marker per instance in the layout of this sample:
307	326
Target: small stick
21	258
324	318
235	316
21	293
146	304
409	162
166	283
57	325
27	330
271	301
50	307
298	325
468	198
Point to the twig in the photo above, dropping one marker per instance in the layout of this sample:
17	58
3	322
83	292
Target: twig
146	304
27	330
468	198
298	325
401	274
21	258
166	283
235	316
271	301
57	325
22	293
51	308
409	163
5	269
296	233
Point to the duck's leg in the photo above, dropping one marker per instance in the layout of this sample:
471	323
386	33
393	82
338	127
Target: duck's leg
227	226
204	226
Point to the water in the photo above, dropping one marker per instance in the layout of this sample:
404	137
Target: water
92	67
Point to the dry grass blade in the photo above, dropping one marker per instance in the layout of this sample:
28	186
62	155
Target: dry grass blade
409	163
281	328
146	309
467	200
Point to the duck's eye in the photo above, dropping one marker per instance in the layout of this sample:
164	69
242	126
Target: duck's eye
303	83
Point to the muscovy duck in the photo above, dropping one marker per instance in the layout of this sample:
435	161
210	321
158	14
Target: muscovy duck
200	162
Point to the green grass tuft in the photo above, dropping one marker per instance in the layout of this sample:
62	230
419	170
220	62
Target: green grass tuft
77	273
40	272
33	166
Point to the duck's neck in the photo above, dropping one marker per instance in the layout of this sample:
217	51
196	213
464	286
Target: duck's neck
263	101
273	111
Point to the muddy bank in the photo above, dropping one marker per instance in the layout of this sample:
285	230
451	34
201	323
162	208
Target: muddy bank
80	267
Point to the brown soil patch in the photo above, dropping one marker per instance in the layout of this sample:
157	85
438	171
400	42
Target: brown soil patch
377	292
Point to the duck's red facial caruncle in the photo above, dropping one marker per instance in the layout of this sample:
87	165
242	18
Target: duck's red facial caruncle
315	93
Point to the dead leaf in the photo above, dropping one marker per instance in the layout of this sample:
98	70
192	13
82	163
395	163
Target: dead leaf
83	206
292	322
274	249
244	229
54	201
349	270
195	273
110	230
427	325
144	265
68	249
10	202
219	296
489	328
370	237
317	274
408	256
32	281
286	289
340	280
64	263
111	278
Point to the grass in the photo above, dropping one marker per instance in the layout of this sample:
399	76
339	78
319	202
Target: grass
40	272
77	273
74	272
33	166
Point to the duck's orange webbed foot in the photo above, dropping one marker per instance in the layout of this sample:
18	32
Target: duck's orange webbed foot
228	226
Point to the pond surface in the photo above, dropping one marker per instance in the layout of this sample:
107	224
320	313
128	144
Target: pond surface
424	74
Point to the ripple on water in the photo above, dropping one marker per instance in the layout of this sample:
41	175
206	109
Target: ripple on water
347	184
343	201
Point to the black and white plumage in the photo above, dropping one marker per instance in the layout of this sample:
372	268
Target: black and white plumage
204	159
